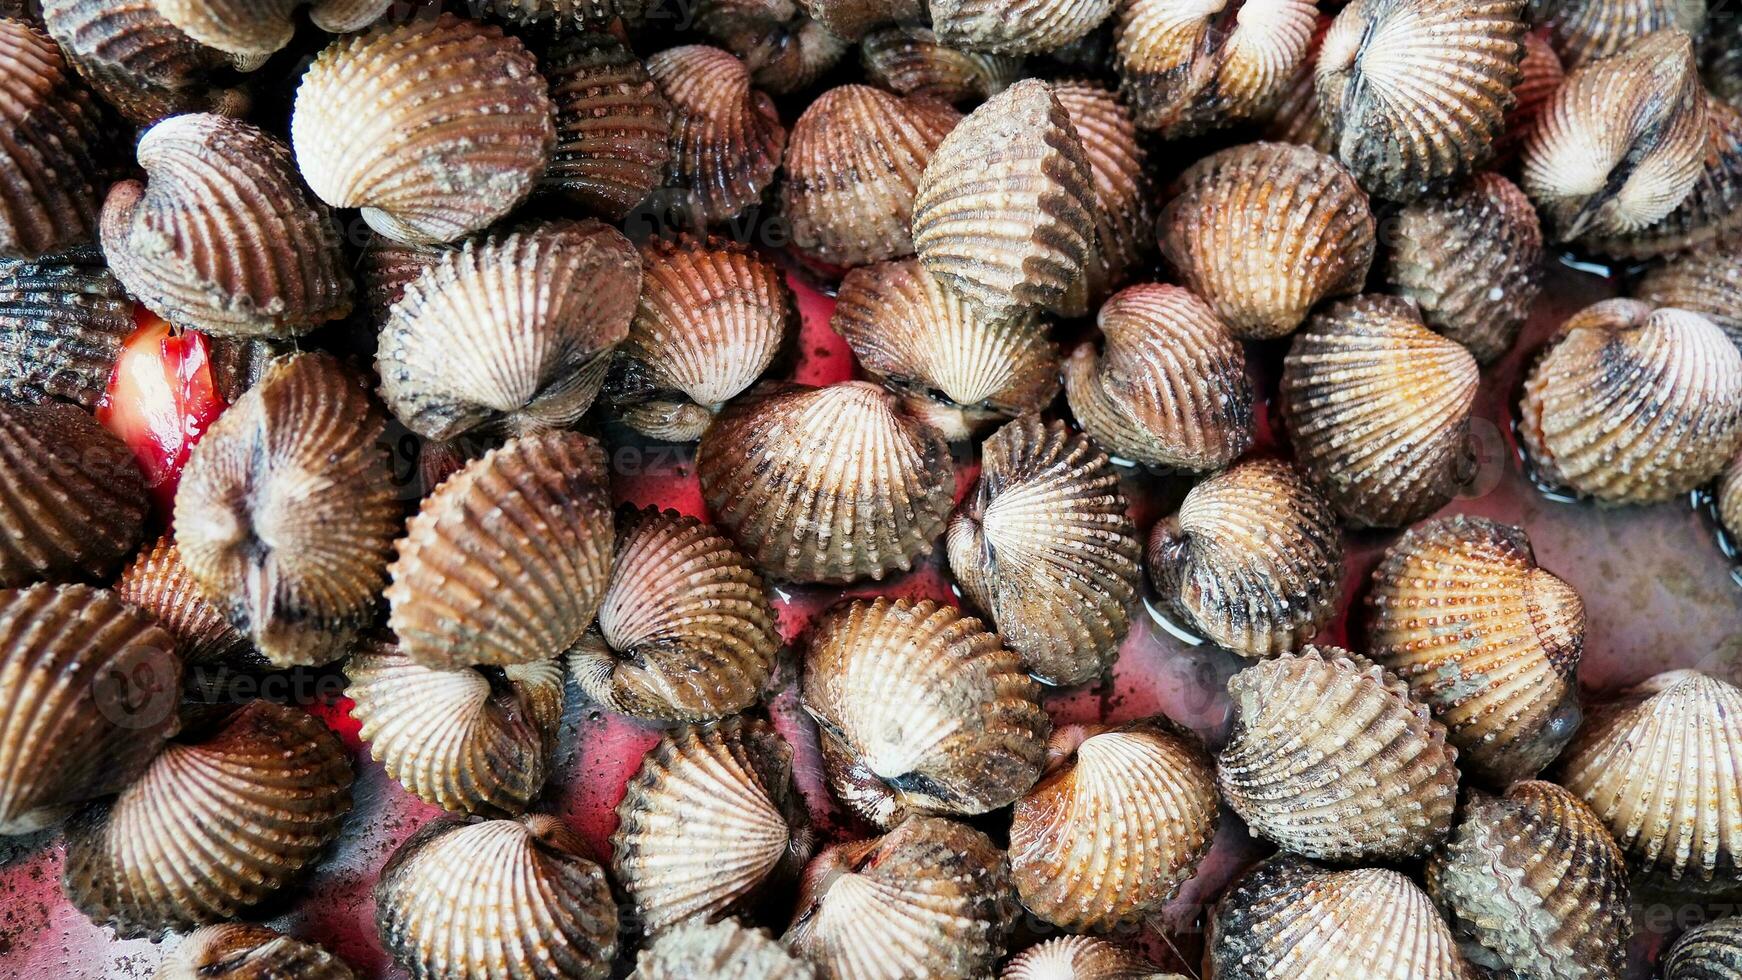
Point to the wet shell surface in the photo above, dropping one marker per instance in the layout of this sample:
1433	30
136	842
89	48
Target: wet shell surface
1295	118
1330	759
563	14
911	60
826	484
613	126
1081	958
1042	546
1253	560
1729	498
724	950
434	127
272	784
1033	27
1124	224
48	201
385	267
62	320
1303	233
1706	280
851	19
786	57
502	898
238	951
157	582
72	500
1540	76
138	61
254	29
726	137
1585	30
1711	209
921	709
1707	952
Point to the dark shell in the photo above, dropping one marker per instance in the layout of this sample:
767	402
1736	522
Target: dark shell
139	62
1034	27
62	321
613	126
850	19
726	137
1187	69
1708	952
48	201
910	60
1585	30
72	500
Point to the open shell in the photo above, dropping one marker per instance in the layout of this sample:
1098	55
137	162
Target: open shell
62	320
1706	280
48	201
726	137
157	582
1711	209
613	126
251	30
1034	27
1124	225
724	950
138	61
911	60
72	500
1081	958
1712	951
1586	30
236	951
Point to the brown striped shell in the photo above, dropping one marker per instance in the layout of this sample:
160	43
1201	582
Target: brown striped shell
850	19
1031	27
157	582
1585	30
138	61
1713	208
911	60
723	950
726	137
62	320
1712	951
49	200
254	29
1706	280
613	126
238	951
72	500
1540	76
1124	224
386	267
1081	958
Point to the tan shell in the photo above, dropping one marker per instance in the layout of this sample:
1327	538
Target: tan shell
1540	76
1585	30
1026	28
212	827
1331	759
685	631
613	126
48	201
507	561
920	709
826	484
1711	209
543	310
72	501
62	321
724	950
1265	231
1253	560
726	137
850	19
502	898
254	29
1533	884
1633	406
911	60
1712	951
236	951
1042	546
1706	280
1124	224
1295	118
1081	958
157	582
434	127
138	62
931	898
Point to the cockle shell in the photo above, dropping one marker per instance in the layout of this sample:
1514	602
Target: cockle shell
726	137
1330	758
850	19
1265	231
1124	225
543	310
787	56
1533	884
502	898
709	820
213	827
685	631
1729	498
1585	30
254	29
72	500
1711	209
237	951
1630	405
1712	951
1042	546
434	127
507	561
1295	116
826	484
1540	76
1026	28
62	321
920	709
1253	560
911	60
1706	280
386	267
48	201
157	582
1081	958
138	61
613	126
723	950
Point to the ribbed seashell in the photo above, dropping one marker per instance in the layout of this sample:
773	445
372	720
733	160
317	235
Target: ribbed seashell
1712	951
1471	262
1081	958
1487	640
139	62
1042	546
1729	498
564	13
1265	231
506	562
1295	116
910	60
1534	885
1633	406
1581	31
787	56
221	236
157	582
1540	76
613	126
1253	560
239	951
723	950
931	898
386	267
1124	224
543	308
48	201
826	484
1622	142
1026	28
498	899
850	19
954	365
1713	208
62	320
1117	824
1655	767
72	501
212	827
1330	759
921	709
434	127
726	137
1196	66
1706	280
254	29
709	820
1292	918
685	631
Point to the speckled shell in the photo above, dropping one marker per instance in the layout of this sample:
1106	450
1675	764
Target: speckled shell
506	562
1330	759
137	61
1005	212
850	19
1585	30
613	126
724	950
434	127
286	513
920	709
1707	952
1042	546
237	951
1711	209
157	582
910	60
496	900
48	199
931	898
62	320
826	484
72	501
1124	224
543	310
561	14
1533	884
685	631
1033	27
1659	767
709	820
213	827
1253	560
1081	958
254	29
1706	280
1265	231
726	137
1115	827
1633	406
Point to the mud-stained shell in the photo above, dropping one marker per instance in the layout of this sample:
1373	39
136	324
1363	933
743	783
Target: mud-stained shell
851	19
1042	546
157	582
1006	207
254	29
1581	31
1712	951
1713	208
502	898
685	630
931	898
1124	224
726	137
72	500
1031	27
1265	231
434	127
213	827
613	126
723	950
543	308
826	484
954	365
1706	280
1081	958
910	60
921	709
1295	116
1540	76
62	320
137	61
1330	759
1659	767
1253	560
48	201
1533	884
239	951
1632	406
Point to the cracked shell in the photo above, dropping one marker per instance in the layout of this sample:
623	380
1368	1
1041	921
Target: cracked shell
1124	224
139	62
724	950
726	137
1713	208
1033	27
1581	31
613	126
1712	951
910	60
72	500
49	200
157	582
251	30
1706	280
1081	958
62	320
238	951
